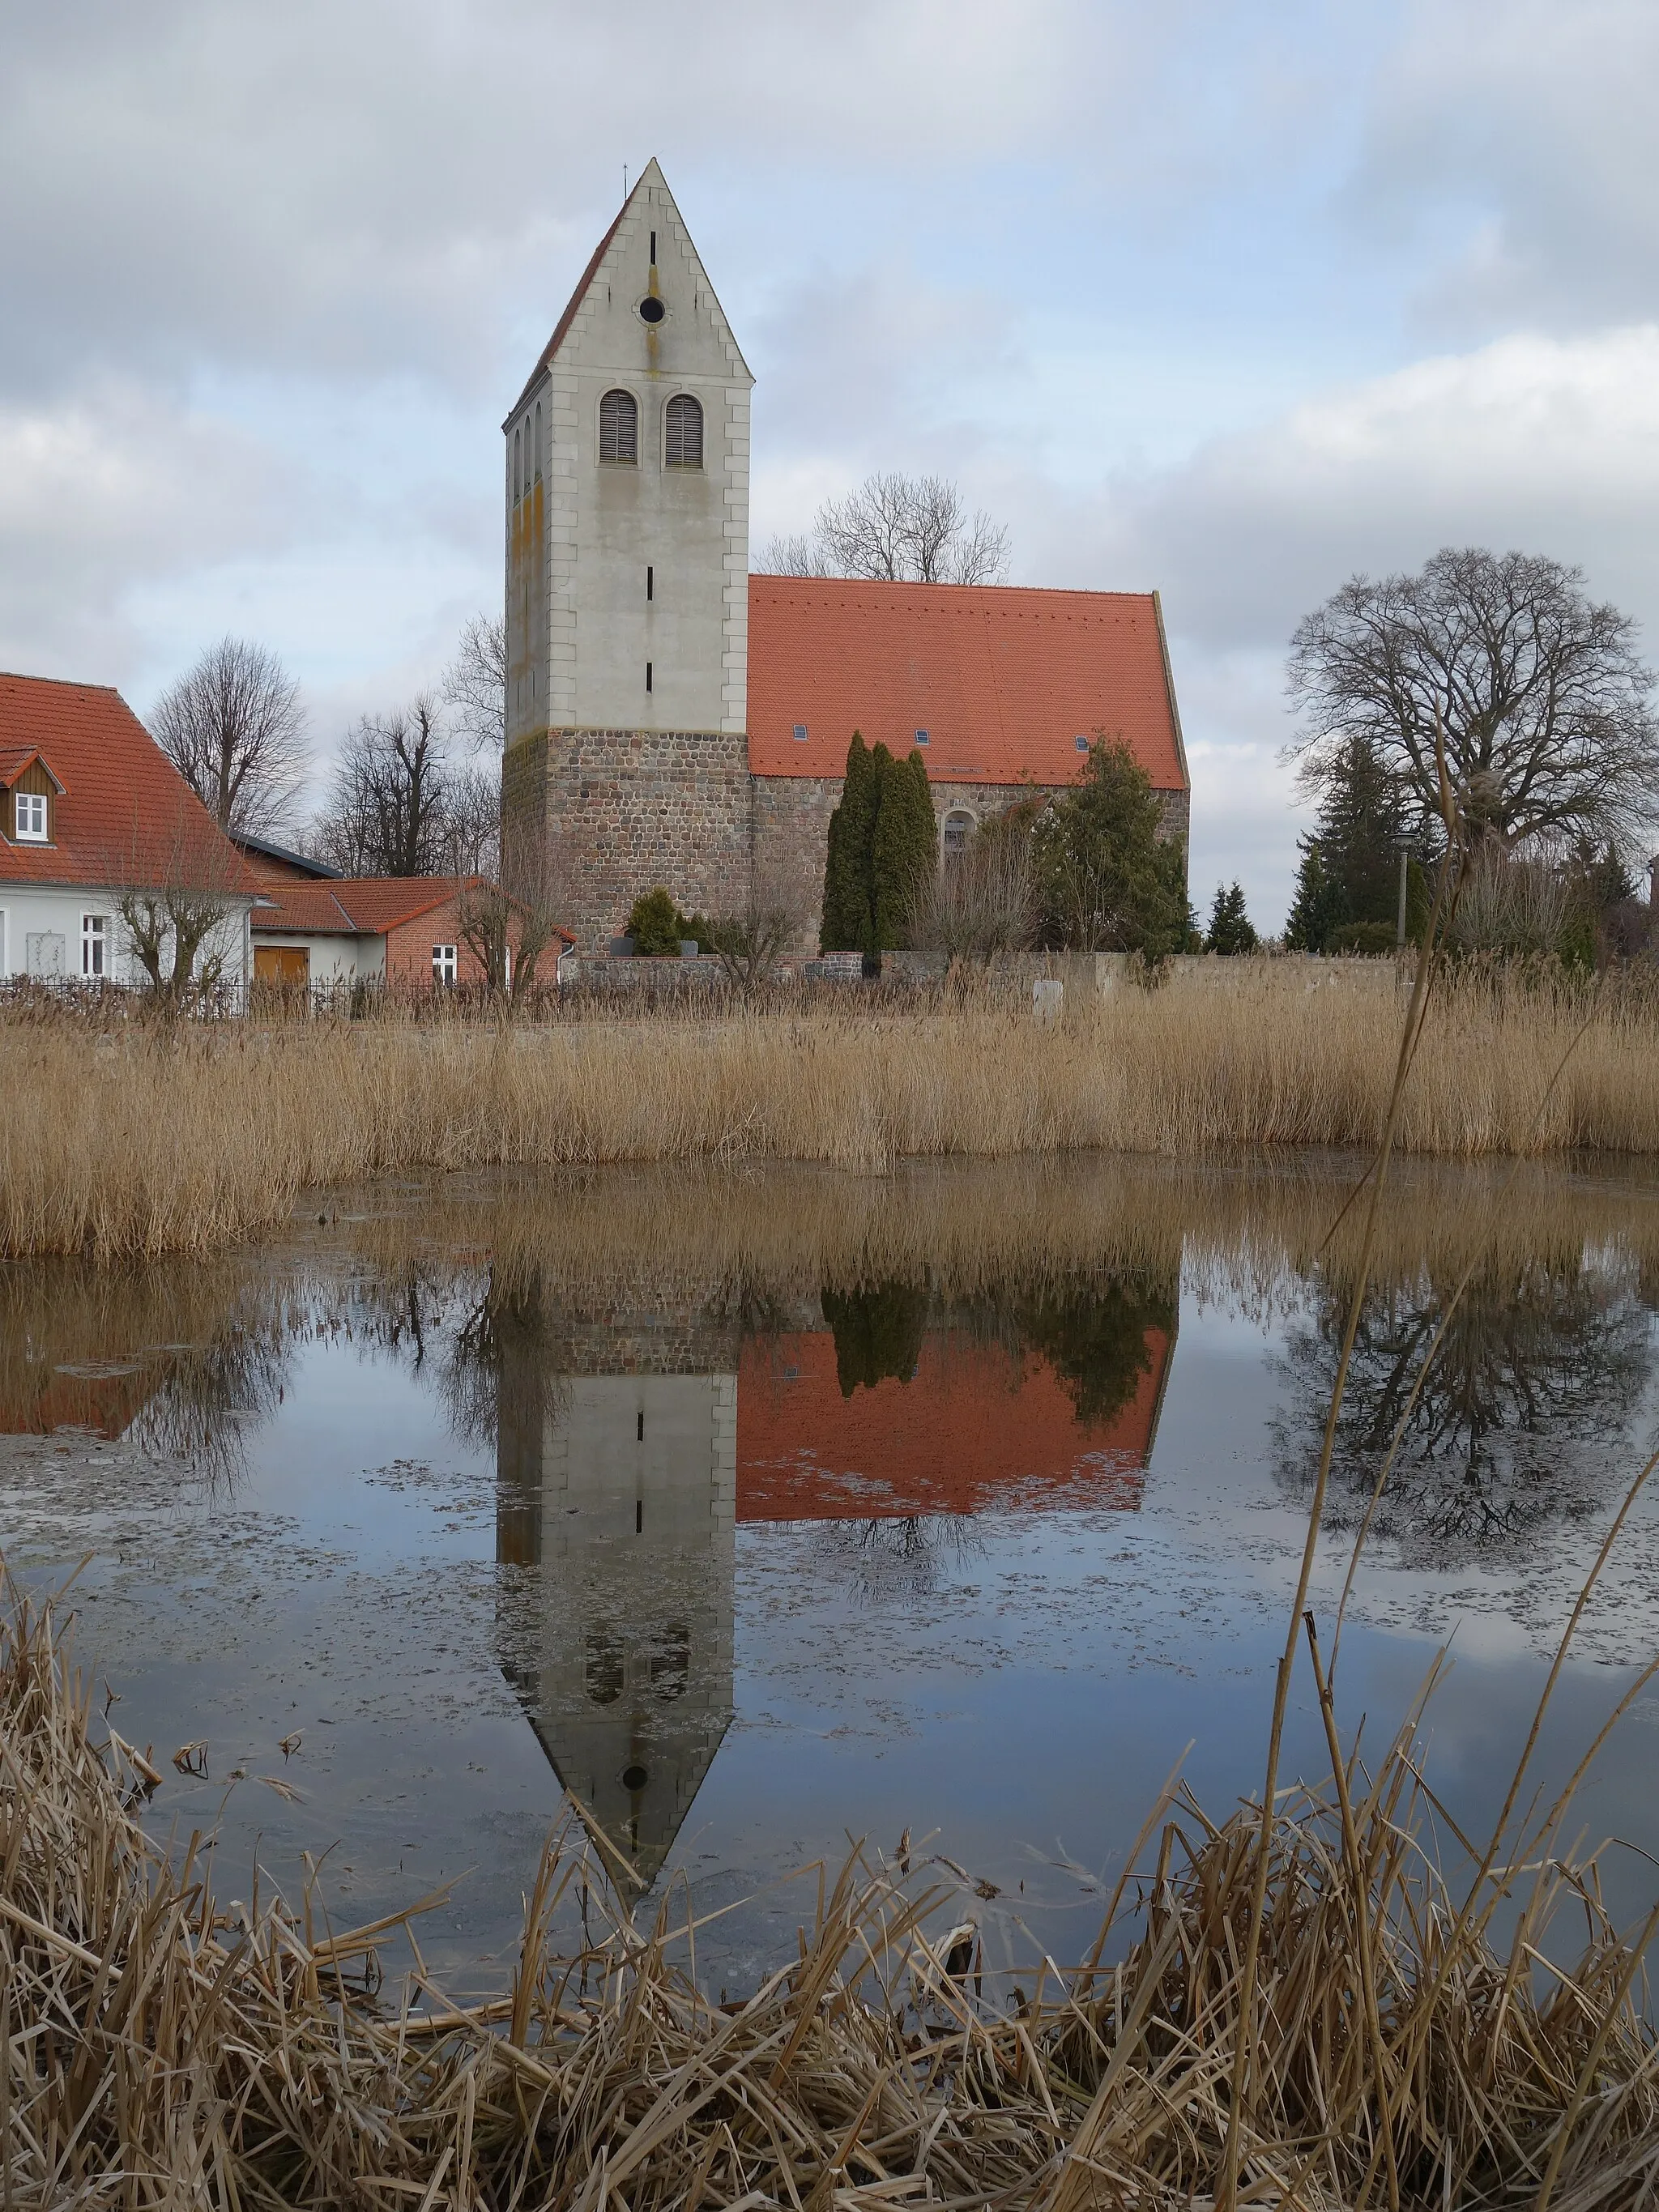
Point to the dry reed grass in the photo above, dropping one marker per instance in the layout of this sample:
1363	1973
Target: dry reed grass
162	2048
144	1140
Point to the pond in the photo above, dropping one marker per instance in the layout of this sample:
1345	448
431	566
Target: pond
767	1512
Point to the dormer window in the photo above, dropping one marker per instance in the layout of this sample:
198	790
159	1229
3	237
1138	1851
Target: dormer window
30	817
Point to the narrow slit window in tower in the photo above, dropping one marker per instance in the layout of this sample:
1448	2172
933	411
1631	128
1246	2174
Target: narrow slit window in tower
650	582
653	249
648	675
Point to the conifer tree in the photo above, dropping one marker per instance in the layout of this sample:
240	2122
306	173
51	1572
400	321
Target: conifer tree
1106	880
1349	870
848	923
1231	929
904	848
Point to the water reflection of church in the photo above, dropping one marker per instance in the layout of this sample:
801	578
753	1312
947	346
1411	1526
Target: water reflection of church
621	1481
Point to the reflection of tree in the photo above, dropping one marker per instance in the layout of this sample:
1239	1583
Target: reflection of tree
180	1357
211	1396
897	1557
1093	1334
1533	1367
878	1333
502	1367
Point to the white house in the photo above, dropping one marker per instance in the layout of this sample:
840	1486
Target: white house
92	814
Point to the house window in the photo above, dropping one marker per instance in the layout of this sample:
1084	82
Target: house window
31	817
683	432
619	429
443	963
958	825
95	944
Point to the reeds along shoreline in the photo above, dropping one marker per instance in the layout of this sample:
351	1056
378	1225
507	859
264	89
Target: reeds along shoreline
162	2048
137	1140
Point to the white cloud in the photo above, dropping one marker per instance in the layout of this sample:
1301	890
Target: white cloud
1509	145
98	493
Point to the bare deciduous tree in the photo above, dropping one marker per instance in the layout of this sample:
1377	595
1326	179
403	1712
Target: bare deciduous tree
175	888
511	927
473	818
751	939
475	683
981	900
1542	697
897	529
388	806
233	727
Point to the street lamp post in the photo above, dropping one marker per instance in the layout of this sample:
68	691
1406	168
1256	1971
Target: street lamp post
1402	845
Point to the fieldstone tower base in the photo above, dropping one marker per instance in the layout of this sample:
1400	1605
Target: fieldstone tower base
619	811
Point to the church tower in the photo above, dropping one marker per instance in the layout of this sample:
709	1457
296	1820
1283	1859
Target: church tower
627	496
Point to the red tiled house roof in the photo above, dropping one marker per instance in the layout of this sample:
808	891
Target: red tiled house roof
1004	681
122	808
357	906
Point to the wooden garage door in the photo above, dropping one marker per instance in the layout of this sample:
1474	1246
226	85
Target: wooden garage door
282	964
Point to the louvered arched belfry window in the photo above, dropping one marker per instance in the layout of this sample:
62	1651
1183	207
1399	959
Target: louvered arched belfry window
619	428
682	446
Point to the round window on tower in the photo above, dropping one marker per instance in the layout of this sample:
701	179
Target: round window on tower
652	309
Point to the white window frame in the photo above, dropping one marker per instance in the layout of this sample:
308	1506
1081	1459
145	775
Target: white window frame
95	939
445	966
30	800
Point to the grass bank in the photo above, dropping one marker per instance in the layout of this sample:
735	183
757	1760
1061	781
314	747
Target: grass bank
138	1141
160	2047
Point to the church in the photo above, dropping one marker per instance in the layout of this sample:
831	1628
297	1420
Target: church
672	718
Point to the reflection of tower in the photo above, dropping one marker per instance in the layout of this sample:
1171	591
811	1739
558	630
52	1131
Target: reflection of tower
621	1490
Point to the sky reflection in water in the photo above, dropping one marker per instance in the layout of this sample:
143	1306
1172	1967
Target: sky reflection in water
765	1511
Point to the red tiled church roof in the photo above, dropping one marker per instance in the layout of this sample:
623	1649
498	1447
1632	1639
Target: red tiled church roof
124	808
1004	680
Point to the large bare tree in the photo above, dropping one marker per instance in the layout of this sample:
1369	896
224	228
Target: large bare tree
233	727
389	810
898	530
475	683
1542	694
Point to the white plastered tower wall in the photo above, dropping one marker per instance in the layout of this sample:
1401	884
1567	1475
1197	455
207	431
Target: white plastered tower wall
585	620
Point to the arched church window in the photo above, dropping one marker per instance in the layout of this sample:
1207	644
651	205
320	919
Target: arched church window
683	432
958	826
619	428
539	441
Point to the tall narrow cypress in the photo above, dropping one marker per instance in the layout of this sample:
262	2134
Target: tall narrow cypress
849	924
904	849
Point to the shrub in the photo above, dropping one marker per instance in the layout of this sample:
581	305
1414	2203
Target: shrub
1369	936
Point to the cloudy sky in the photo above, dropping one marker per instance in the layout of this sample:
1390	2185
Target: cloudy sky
1227	298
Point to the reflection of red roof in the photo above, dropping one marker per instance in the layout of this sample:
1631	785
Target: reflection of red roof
1004	681
106	1396
126	810
974	1427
